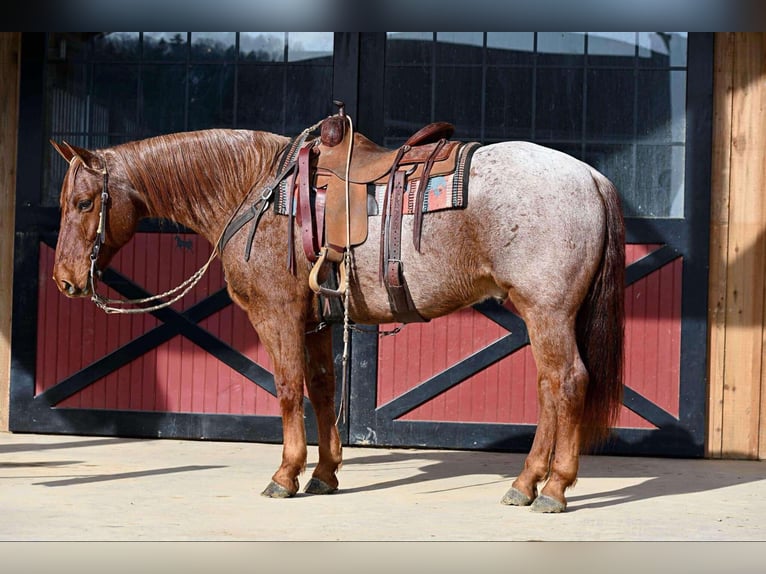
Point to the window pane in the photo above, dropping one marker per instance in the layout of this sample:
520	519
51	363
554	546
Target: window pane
164	46
458	100
659	189
662	49
117	46
616	161
610	109
262	46
115	89
510	47
662	106
163	91
611	48
310	46
304	101
256	109
561	48
508	104
213	45
409	47
462	47
407	102
211	96
559	97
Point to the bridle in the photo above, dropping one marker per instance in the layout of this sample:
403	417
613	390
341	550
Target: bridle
100	238
127	306
134	306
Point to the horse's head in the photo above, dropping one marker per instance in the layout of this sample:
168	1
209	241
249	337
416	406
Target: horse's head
99	215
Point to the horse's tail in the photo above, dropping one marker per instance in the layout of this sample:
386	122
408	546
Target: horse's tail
601	325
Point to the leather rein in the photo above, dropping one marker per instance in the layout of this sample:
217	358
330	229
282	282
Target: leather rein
129	306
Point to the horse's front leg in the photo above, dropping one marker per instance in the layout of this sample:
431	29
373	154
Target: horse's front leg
320	381
283	340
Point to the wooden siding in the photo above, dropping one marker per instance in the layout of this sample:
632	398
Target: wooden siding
179	376
505	392
10	45
176	376
737	301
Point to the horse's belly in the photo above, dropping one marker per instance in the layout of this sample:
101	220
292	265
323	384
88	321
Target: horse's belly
448	273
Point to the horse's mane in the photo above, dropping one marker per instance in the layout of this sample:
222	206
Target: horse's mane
197	177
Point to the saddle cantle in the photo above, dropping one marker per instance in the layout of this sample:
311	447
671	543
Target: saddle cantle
371	166
333	197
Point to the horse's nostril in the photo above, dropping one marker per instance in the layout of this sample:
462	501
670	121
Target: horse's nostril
67	287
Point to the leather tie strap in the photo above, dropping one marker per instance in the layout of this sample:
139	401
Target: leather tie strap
417	224
291	222
399	298
305	216
386	212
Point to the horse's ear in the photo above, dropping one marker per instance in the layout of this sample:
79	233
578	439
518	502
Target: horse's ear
89	159
64	150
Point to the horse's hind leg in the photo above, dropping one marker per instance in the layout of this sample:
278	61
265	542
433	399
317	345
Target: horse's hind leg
561	386
320	380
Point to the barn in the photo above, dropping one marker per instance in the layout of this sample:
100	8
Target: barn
675	119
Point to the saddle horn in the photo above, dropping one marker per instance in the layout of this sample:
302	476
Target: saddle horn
333	129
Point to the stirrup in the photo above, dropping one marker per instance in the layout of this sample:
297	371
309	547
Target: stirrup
314	284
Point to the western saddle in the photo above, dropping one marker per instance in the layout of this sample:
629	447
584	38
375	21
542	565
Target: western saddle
332	188
329	185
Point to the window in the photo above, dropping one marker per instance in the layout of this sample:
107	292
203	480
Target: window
616	100
108	88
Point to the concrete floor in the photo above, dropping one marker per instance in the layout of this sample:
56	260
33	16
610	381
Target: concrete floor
67	488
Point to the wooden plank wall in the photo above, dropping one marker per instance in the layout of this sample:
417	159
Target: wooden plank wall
10	45
737	394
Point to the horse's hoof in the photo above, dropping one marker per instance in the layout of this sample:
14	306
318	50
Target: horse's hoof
316	486
547	504
515	497
274	490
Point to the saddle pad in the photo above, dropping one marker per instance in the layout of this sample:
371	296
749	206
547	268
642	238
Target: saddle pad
443	191
448	191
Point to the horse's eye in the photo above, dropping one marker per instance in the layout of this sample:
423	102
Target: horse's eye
85	204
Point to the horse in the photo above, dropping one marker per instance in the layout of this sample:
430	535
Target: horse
540	228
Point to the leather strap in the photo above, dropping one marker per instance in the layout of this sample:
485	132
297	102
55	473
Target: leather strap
386	212
319	210
305	216
291	223
417	224
399	298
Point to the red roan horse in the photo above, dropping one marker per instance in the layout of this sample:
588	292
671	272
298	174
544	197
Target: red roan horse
540	228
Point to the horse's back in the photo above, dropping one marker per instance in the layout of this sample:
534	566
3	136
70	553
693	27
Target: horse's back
533	224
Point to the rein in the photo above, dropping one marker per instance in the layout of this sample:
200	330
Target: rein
118	305
128	306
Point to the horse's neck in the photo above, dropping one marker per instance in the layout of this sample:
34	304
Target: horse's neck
197	197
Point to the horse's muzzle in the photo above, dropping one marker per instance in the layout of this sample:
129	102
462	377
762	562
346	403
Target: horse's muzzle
71	290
